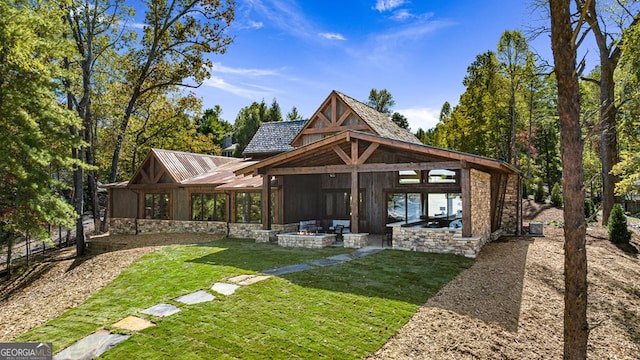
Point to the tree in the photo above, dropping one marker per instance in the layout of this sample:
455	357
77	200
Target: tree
564	47
211	123
513	52
610	52
294	115
274	112
381	100
176	36
247	123
34	126
400	120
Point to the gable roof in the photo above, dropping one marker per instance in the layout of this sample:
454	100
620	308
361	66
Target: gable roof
380	123
273	137
175	166
333	154
340	112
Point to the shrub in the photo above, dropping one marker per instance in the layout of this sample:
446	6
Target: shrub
539	194
589	208
556	195
618	231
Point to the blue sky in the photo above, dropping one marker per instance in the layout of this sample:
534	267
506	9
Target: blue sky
298	51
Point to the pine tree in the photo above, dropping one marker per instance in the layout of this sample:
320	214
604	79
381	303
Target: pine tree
618	231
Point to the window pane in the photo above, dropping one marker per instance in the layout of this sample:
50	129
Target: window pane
163	206
208	206
241	206
196	207
441	176
255	208
220	213
437	205
396	209
414	207
406	177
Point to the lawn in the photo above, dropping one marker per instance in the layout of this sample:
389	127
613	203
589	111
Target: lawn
342	311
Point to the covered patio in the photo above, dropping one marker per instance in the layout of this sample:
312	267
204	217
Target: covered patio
412	192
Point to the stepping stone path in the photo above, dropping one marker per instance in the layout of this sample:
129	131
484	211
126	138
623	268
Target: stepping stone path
91	346
133	323
224	288
248	279
161	310
102	340
195	297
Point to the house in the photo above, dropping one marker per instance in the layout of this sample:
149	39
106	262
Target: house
347	162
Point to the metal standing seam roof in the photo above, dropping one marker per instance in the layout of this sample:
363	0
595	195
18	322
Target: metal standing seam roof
182	165
274	137
223	174
379	122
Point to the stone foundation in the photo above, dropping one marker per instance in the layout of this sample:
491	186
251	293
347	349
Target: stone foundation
355	241
243	230
444	241
266	236
120	226
311	241
285	228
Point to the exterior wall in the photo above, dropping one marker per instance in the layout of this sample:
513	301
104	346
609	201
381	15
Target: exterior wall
442	241
119	226
181	204
124	203
243	230
285	228
480	205
511	201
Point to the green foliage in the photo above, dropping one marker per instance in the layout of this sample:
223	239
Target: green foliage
247	123
539	195
293	115
618	231
260	321
526	188
381	100
589	208
211	123
556	195
35	127
274	113
400	120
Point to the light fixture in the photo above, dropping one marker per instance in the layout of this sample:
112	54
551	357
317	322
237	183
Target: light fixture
332	175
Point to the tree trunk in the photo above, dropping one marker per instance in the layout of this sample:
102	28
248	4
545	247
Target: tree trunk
10	241
78	175
608	137
575	257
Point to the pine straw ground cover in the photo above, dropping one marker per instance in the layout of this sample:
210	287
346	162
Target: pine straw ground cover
509	304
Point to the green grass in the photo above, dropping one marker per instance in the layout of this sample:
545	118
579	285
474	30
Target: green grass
336	312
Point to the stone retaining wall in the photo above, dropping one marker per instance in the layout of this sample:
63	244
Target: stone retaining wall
243	230
122	226
357	241
480	205
444	241
306	241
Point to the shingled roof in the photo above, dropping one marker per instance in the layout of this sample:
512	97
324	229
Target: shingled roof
379	122
273	138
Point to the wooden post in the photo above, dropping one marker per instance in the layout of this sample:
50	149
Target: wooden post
465	184
266	201
355	202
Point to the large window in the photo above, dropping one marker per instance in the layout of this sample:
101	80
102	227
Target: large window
208	207
441	176
440	205
404	207
409	177
156	206
248	208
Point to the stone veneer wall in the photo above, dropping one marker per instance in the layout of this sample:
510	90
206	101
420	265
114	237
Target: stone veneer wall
444	241
266	236
510	210
306	241
126	226
243	230
355	240
480	205
285	228
122	226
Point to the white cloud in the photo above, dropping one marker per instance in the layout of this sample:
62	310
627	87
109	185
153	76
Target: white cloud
421	117
247	91
332	36
219	68
402	15
256	24
386	5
